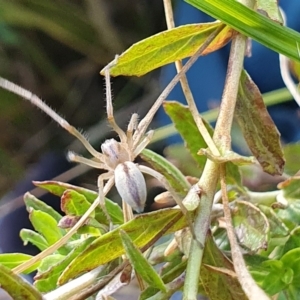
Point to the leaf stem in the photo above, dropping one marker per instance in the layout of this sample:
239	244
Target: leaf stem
209	178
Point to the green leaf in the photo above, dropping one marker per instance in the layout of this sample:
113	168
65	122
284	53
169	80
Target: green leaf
175	178
293	240
74	204
58	188
251	226
142	229
32	202
30	236
49	261
168	46
45	225
291	260
12	260
140	263
16	287
258	127
187	128
47	280
291	154
260	28
272	276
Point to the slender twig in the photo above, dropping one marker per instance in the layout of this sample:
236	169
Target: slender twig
251	289
186	89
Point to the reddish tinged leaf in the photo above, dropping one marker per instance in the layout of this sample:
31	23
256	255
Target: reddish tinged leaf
218	285
258	128
73	203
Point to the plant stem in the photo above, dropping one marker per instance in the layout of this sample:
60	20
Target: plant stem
251	289
207	183
210	175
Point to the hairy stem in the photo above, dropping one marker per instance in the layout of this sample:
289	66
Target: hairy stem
210	175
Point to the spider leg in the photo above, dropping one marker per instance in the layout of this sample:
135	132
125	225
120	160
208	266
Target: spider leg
36	101
110	109
101	197
143	144
131	127
176	197
82	160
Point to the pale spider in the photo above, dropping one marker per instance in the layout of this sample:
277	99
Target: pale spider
116	157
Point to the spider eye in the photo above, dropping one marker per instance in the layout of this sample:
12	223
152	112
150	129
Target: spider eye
131	185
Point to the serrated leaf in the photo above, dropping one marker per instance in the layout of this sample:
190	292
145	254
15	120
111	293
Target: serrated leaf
30	236
46	281
142	229
45	225
74	203
270	9
12	260
58	188
260	28
32	202
258	127
140	263
251	226
16	287
175	178
168	46
187	128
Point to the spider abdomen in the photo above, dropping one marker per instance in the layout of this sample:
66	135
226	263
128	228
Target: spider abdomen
131	185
